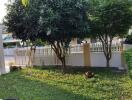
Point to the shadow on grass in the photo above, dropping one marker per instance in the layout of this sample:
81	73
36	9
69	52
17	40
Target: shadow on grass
101	71
14	86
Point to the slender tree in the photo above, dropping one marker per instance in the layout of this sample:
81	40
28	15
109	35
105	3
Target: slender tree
110	18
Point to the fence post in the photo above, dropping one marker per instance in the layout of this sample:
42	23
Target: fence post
2	61
86	55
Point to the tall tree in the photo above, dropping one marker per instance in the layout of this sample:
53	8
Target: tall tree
23	23
110	18
61	21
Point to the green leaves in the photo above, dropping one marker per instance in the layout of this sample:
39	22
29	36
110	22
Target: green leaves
25	2
23	19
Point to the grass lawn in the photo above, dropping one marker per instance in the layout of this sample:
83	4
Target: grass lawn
35	84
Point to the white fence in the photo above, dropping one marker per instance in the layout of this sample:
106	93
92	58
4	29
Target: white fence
76	57
9	52
98	59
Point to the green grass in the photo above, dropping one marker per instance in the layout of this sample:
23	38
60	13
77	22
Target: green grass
35	84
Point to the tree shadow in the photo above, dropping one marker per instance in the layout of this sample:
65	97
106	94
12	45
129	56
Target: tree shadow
103	71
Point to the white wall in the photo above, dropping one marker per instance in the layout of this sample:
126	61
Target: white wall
98	59
75	59
46	56
9	52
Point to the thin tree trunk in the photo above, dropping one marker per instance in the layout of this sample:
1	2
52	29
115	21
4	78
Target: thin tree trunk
106	43
108	62
63	63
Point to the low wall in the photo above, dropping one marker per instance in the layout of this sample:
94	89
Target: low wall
76	57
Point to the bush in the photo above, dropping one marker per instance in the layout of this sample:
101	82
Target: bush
128	57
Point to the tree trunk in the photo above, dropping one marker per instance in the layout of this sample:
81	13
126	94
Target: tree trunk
63	63
107	62
107	43
60	52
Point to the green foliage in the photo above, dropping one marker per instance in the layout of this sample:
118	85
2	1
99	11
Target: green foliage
23	22
25	2
39	42
110	18
33	84
128	57
64	19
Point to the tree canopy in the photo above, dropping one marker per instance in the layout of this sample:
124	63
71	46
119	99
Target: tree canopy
23	23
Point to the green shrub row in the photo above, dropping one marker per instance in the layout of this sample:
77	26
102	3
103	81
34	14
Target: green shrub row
128	57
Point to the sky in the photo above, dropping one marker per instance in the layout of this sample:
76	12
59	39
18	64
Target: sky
2	9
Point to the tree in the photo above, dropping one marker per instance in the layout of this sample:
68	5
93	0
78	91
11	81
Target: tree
54	21
23	23
60	22
110	18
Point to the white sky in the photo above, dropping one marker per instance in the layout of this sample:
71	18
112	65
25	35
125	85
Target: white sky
2	9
